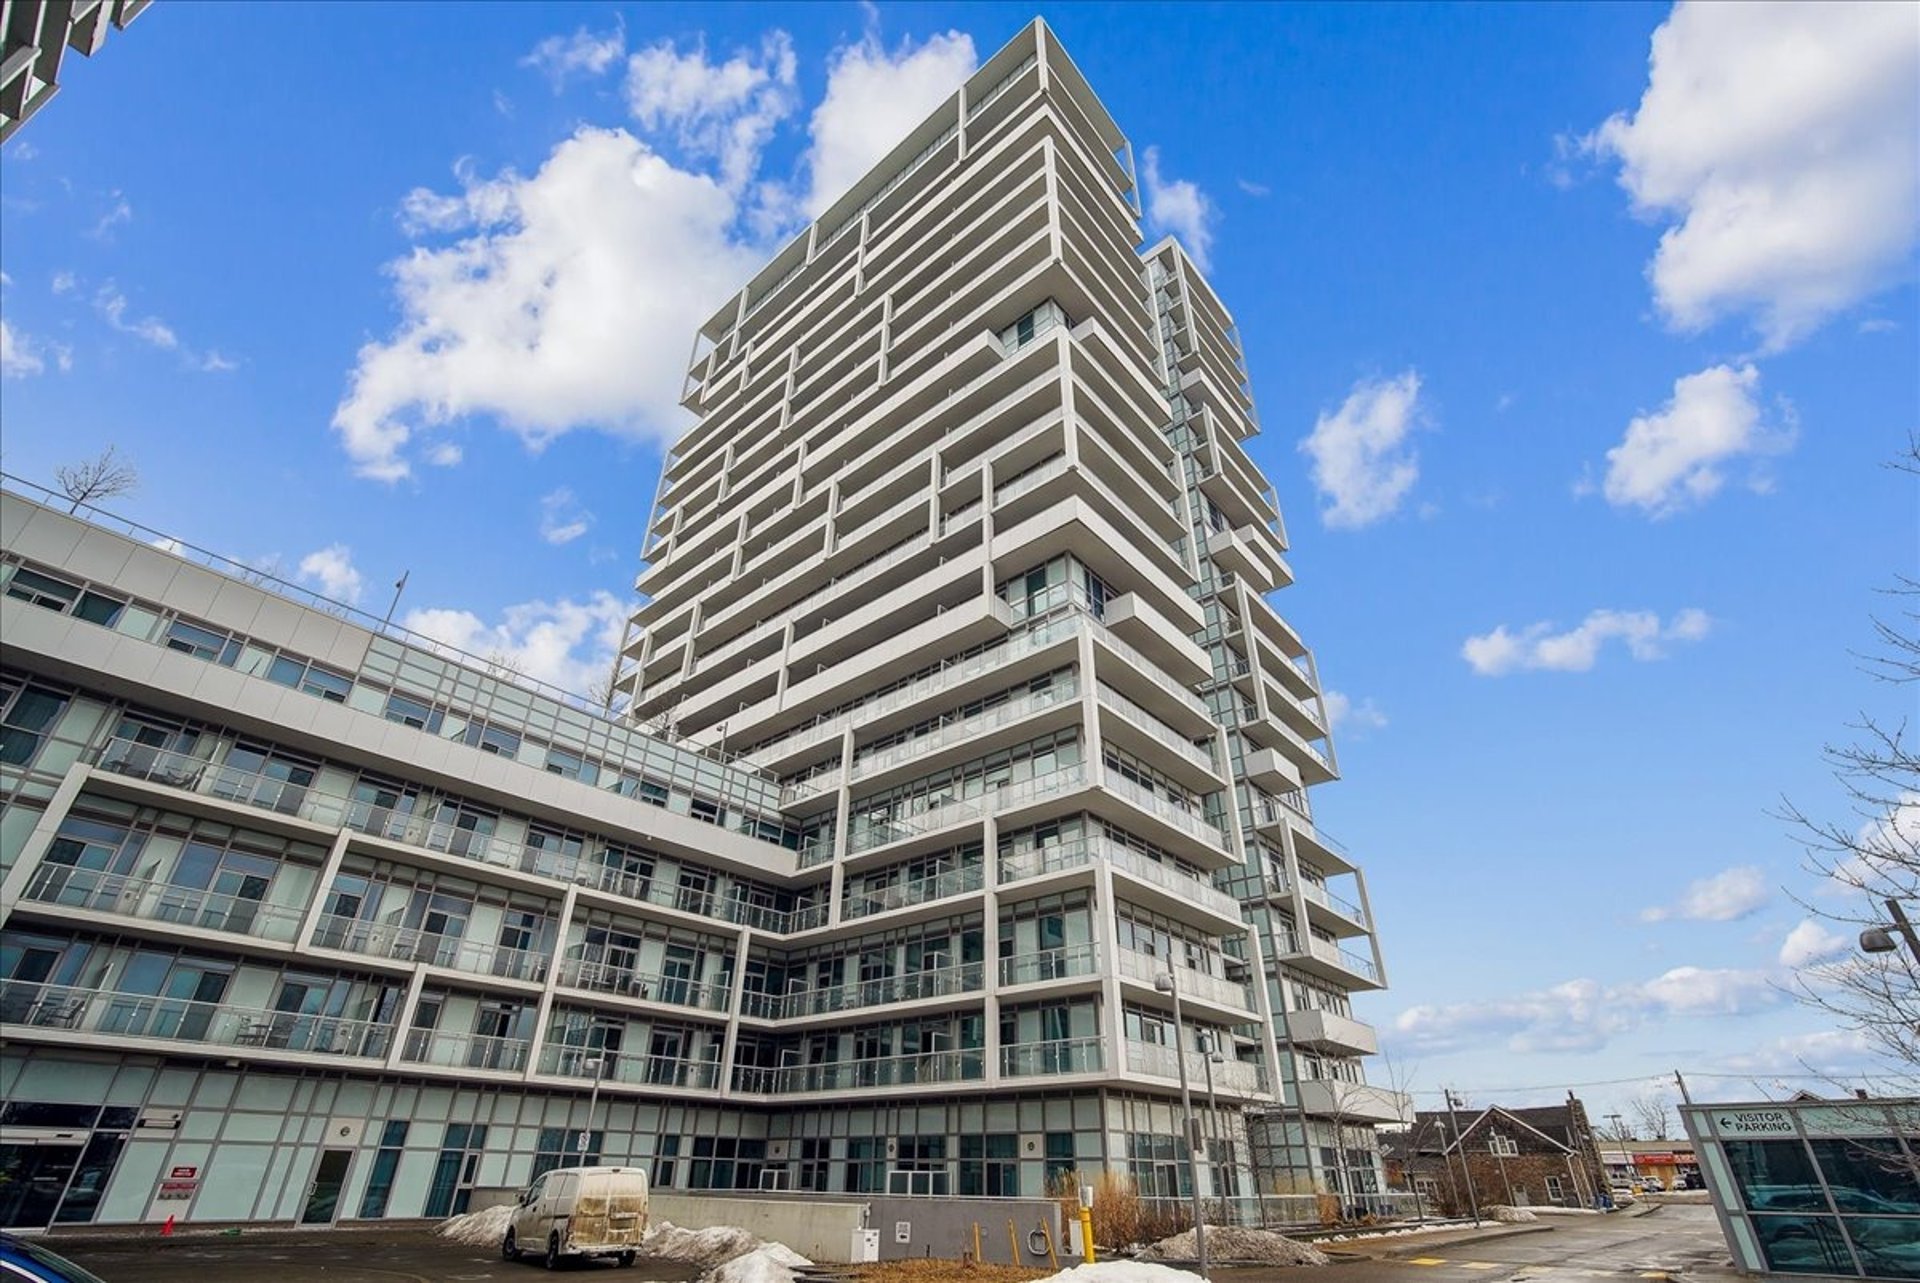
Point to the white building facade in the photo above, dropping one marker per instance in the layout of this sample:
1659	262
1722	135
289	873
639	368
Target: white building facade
961	745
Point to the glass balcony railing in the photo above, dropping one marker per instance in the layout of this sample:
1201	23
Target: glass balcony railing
1174	814
110	1017
1063	1056
406	944
465	1051
1013	710
863	902
966	1064
606	977
1235	1077
629	1069
1162	733
912	986
1193	984
397	824
1050	964
102	892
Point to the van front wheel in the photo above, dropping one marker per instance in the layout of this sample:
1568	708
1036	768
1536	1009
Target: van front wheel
553	1251
626	1260
509	1252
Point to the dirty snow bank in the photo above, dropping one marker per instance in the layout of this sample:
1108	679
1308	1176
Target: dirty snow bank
768	1263
478	1228
1510	1215
1231	1243
715	1245
1120	1272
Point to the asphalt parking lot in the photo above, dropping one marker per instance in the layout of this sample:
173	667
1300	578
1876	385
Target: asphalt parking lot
386	1255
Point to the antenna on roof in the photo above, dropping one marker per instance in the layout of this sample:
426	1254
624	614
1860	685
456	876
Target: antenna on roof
399	586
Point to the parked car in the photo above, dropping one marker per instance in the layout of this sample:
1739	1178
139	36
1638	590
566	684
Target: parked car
576	1212
23	1259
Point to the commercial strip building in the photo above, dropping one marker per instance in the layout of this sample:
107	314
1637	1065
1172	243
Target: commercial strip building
956	630
1814	1187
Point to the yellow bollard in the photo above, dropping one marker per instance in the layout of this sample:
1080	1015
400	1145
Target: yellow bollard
976	1244
1086	1232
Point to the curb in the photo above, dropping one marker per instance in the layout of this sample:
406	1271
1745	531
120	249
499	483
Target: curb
1400	1252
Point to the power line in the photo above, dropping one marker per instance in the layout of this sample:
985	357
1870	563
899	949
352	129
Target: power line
1757	1075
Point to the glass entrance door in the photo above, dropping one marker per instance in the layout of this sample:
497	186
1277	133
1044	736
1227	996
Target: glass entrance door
323	1195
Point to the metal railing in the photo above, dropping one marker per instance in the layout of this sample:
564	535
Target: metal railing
953	1065
1062	1056
861	902
1043	965
910	986
635	1069
1140	718
1193	984
465	1051
101	892
1236	1077
1173	814
1032	702
109	1017
411	944
680	991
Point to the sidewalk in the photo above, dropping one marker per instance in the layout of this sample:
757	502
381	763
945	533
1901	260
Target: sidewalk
1394	1246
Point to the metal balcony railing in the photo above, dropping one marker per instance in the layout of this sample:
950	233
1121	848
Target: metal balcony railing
1060	692
1143	720
1061	1056
109	1017
465	1051
410	944
863	902
911	986
631	1069
1050	964
1180	817
1235	1077
102	892
966	1064
1193	984
680	991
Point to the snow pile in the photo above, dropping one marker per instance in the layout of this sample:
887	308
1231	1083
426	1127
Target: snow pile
1120	1272
768	1263
1509	1215
1231	1243
713	1246
1566	1211
476	1229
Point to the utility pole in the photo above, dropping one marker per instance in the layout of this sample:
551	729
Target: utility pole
1460	1140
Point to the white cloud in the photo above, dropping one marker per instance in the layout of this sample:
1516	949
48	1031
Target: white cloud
1810	942
19	355
1343	712
1677	457
561	58
1884	850
1576	650
873	97
569	298
118	214
445	454
116	311
568	644
1782	142
1361	459
1178	208
569	304
1581	1014
1725	897
64	282
562	519
1252	188
725	111
331	569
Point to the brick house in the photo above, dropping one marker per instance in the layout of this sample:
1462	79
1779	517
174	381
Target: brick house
1523	1157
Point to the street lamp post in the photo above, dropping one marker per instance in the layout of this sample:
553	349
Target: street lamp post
1212	1058
1460	1143
1878	939
1165	984
592	1066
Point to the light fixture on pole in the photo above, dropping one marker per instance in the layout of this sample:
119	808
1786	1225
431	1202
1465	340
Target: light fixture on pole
1460	1143
1210	1056
1879	939
590	1065
1164	983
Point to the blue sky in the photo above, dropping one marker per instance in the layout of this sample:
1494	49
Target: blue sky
1580	335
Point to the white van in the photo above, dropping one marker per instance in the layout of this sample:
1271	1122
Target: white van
580	1211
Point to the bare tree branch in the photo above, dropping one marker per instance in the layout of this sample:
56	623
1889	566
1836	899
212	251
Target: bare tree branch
102	477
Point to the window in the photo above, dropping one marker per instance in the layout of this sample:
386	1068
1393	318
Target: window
373	1204
415	713
201	643
1555	1190
572	766
42	590
27	713
491	739
311	678
989	1166
1502	1146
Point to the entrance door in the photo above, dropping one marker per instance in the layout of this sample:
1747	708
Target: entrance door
32	1179
323	1195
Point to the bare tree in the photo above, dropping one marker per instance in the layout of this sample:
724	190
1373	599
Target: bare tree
102	477
1652	1115
1871	854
